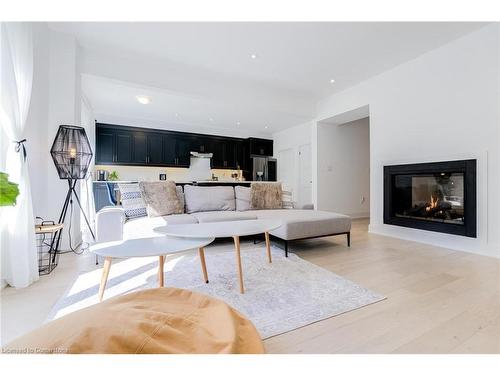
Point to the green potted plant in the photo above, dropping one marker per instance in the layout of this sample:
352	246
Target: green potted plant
8	191
113	176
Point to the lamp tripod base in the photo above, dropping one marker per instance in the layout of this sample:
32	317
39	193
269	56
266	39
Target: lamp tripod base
69	200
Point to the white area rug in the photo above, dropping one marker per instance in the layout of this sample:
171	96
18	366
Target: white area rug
279	297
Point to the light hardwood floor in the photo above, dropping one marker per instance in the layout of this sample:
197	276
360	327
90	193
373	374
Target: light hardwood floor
438	300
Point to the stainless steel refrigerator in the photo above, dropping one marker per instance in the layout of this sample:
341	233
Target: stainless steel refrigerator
263	168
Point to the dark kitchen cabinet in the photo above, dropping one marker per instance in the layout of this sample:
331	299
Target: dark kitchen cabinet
123	145
183	151
230	154
139	148
217	149
155	149
123	142
224	153
105	146
241	154
261	147
202	144
169	149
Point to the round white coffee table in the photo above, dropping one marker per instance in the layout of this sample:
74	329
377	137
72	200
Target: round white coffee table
147	247
222	229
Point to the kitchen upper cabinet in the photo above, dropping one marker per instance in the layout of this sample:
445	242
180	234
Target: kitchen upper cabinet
230	154
123	153
170	149
155	149
105	146
124	145
217	149
183	147
139	148
241	154
261	147
224	153
201	143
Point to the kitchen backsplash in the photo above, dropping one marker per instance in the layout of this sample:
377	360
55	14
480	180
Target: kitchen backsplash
130	173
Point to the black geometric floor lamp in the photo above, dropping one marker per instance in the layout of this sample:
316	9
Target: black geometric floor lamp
72	155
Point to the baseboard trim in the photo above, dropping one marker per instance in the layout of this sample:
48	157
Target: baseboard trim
446	241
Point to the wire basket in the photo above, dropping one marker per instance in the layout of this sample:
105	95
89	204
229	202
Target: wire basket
48	256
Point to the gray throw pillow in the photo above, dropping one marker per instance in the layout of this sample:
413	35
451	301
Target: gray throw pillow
242	194
161	198
209	198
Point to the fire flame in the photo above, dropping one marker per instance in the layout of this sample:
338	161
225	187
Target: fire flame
433	204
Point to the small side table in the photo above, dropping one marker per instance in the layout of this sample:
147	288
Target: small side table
48	257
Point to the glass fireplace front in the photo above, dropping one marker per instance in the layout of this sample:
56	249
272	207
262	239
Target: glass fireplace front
434	196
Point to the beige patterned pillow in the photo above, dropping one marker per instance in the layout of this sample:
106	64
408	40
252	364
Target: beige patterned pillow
266	195
161	198
287	199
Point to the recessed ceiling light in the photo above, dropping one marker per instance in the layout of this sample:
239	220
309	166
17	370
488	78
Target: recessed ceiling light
265	127
332	81
253	56
143	99
238	123
176	115
211	119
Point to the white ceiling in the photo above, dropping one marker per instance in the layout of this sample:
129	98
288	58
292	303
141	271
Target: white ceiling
205	70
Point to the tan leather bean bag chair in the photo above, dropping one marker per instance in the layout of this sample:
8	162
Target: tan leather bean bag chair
162	320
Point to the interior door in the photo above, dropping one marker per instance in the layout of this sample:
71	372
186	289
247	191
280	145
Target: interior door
286	170
305	174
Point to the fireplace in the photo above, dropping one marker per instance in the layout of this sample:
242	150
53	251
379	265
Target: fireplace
439	197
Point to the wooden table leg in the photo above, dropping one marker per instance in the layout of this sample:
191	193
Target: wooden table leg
104	277
238	261
201	251
161	261
268	247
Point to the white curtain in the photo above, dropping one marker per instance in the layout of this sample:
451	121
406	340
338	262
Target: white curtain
18	247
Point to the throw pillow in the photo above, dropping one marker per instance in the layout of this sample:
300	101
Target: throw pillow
132	202
242	194
209	198
287	199
180	195
161	198
266	195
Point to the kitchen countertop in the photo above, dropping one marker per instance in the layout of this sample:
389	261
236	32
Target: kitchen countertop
191	182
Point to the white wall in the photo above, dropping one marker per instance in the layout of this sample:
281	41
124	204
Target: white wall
441	106
292	139
55	100
344	168
64	109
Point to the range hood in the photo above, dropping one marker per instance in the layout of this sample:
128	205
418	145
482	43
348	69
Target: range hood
207	155
199	168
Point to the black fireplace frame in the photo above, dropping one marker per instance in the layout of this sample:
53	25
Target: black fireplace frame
467	167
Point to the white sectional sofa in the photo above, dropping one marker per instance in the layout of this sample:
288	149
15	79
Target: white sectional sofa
220	204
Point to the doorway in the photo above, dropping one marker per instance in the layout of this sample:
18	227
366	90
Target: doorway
305	175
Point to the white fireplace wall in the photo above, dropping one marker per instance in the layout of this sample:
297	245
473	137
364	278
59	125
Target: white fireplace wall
443	105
